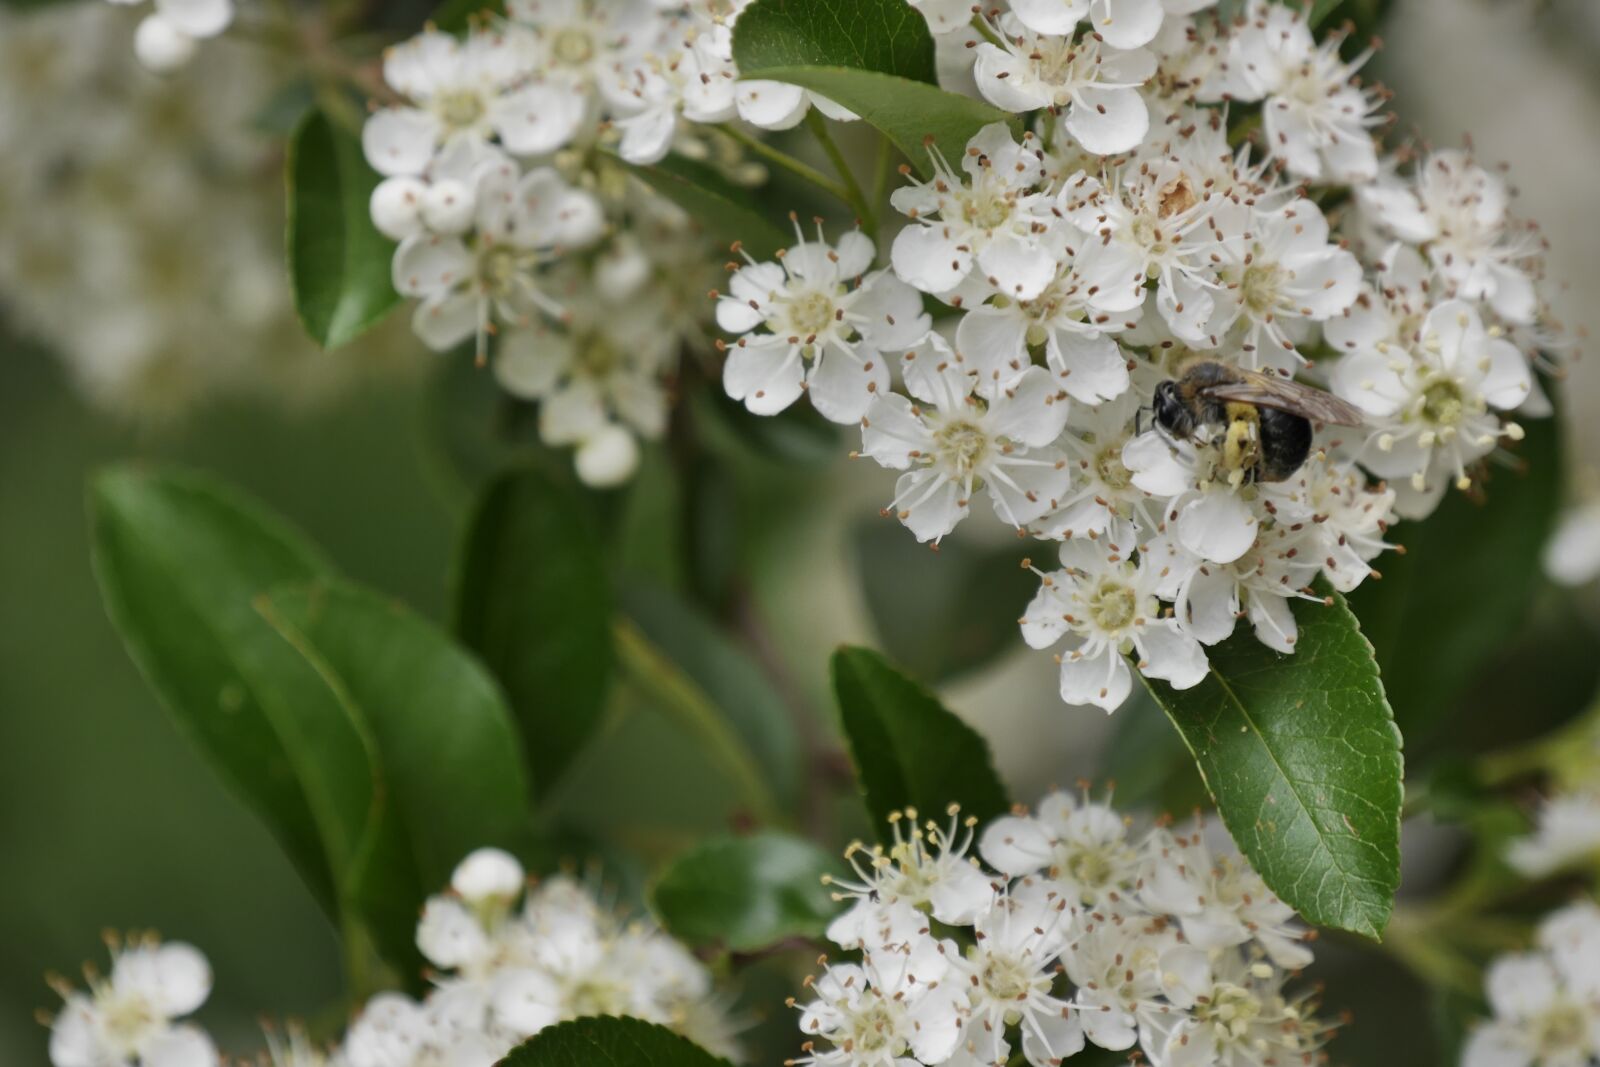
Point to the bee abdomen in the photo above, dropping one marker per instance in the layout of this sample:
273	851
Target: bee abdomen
1285	444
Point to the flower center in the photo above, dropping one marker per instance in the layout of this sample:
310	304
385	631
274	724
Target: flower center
963	447
460	110
1090	867
127	1019
1260	287
1113	606
594	995
1232	1009
1562	1030
874	1029
498	268
986	210
1007	979
1443	403
1109	466
599	357
573	46
811	312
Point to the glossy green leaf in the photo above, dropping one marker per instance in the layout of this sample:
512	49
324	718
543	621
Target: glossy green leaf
1302	756
746	893
183	564
725	211
730	679
609	1041
940	613
179	559
911	114
533	601
909	751
888	36
449	748
339	263
1497	542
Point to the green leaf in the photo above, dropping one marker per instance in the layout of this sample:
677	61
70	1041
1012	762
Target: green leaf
446	738
908	750
339	263
725	210
1497	542
746	893
939	613
1302	756
728	677
532	600
609	1041
179	560
887	36
908	112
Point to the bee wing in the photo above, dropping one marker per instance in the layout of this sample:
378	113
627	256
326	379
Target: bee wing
1286	394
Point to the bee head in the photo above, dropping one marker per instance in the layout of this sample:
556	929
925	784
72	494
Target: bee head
1170	413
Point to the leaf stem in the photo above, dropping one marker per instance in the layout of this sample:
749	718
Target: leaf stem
680	698
789	163
856	198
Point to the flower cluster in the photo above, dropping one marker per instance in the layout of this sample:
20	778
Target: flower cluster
515	221
1128	247
1566	832
1546	1002
512	959
143	238
1078	928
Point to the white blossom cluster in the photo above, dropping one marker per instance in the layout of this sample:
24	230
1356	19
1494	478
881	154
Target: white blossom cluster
1122	238
513	222
512	958
143	240
1545	1002
1077	927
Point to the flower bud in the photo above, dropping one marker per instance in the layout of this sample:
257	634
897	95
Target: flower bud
161	46
608	458
396	207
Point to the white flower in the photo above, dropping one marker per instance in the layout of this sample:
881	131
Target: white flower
1105	604
1566	832
1208	508
1572	555
1157	223
1011	970
131	1016
1432	406
822	335
1116	964
1102	486
1459	214
955	438
1093	85
1232	1013
1084	848
690	73
1572	937
1121	23
461	90
994	220
902	1001
926	868
465	285
167	38
1220	901
1315	116
1333	517
1278	276
1539	1018
1257	585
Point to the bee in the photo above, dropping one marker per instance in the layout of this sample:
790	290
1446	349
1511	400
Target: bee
1266	417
